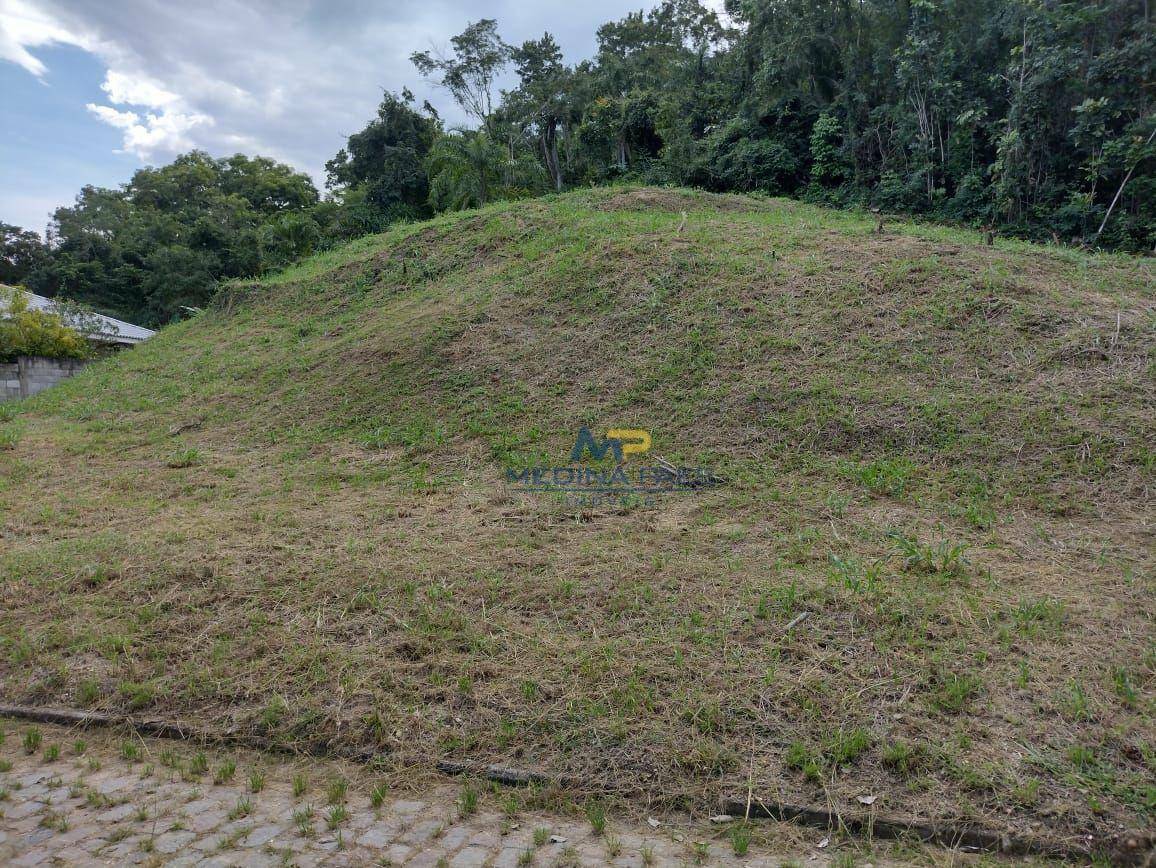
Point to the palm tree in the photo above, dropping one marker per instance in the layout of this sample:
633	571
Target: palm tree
464	170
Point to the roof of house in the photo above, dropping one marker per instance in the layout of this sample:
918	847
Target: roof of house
109	330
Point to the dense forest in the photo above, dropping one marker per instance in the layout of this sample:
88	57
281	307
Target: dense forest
1032	117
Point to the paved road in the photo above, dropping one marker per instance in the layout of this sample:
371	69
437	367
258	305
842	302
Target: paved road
159	802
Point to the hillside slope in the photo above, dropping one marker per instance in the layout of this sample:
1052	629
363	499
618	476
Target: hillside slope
290	515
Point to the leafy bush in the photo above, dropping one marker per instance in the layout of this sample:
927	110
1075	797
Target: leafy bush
28	332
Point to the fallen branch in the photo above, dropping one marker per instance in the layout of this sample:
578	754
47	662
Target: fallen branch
796	621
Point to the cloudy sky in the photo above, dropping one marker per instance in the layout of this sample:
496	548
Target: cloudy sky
93	89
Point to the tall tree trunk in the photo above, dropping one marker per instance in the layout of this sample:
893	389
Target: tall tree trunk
550	153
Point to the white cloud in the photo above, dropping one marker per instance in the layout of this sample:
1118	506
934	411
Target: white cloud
112	117
166	131
23	26
123	88
288	79
152	133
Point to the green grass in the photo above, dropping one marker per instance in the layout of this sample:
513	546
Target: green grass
287	517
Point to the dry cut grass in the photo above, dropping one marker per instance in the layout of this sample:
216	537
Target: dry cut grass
289	516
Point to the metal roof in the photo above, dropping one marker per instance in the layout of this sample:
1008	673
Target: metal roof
110	330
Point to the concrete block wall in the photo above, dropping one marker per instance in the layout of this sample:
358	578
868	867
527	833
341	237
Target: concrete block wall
9	381
32	374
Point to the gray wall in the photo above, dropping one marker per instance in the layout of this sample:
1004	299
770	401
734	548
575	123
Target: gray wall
9	381
31	374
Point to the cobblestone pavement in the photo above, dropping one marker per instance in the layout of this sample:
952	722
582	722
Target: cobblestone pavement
94	798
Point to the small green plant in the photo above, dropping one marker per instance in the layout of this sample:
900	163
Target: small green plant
32	739
300	785
541	836
1077	705
854	575
613	846
225	772
1081	757
1029	616
468	801
55	821
256	781
337	790
1122	683
596	814
802	759
243	808
303	819
95	799
52	753
886	476
130	751
902	757
87	692
337	815
378	793
1027	793
10	435
137	695
199	764
786	598
80	747
944	558
183	458
511	804
231	840
845	746
1024	676
740	838
955	692
979	514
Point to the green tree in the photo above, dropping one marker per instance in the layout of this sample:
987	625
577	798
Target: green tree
386	161
167	238
21	252
467	169
479	56
542	100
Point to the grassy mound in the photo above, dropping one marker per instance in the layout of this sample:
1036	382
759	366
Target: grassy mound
290	514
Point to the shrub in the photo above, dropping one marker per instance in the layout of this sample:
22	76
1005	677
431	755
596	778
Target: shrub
27	332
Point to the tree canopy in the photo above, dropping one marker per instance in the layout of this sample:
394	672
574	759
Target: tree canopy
1034	119
163	241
